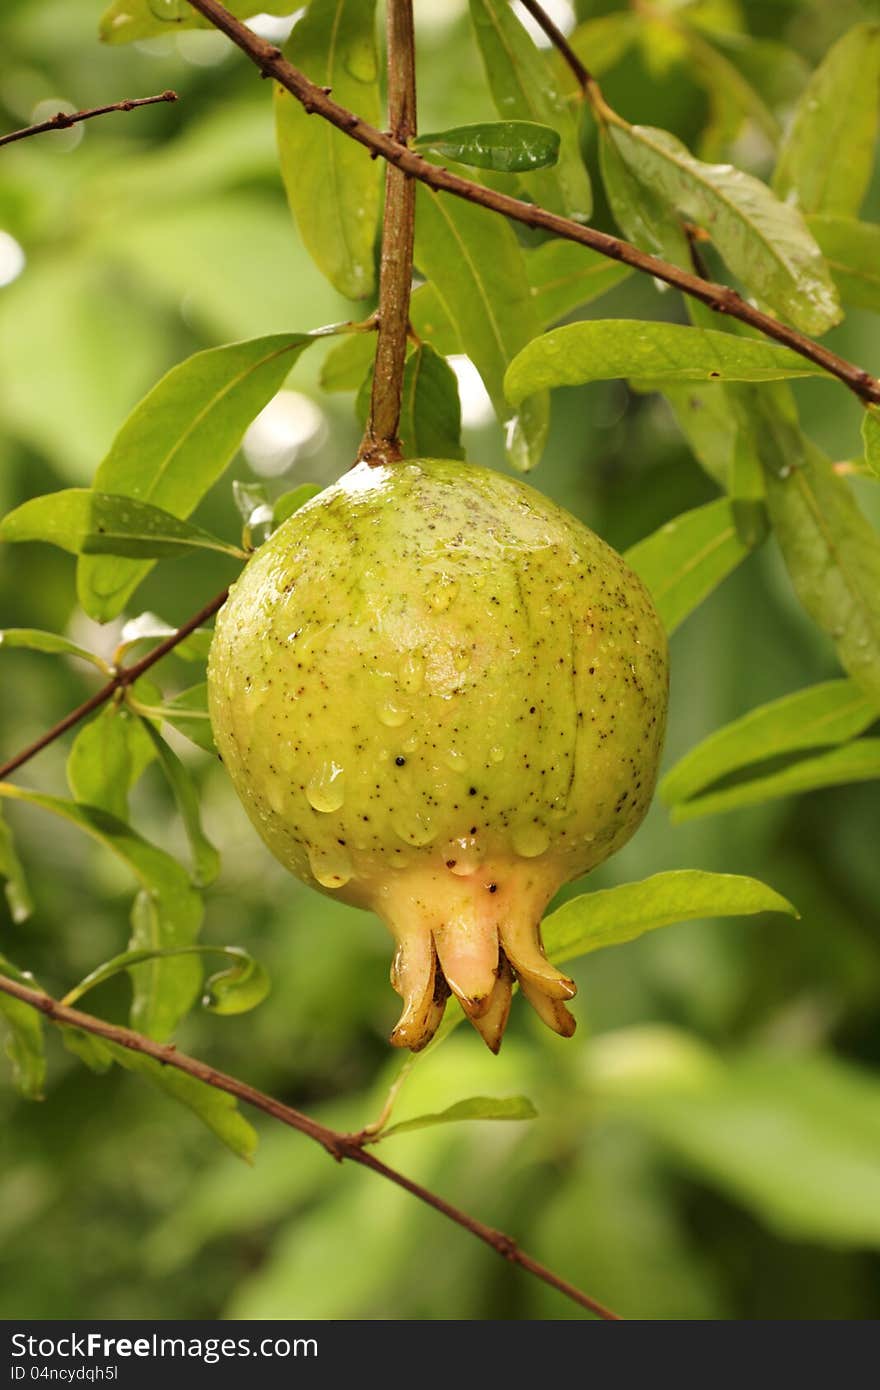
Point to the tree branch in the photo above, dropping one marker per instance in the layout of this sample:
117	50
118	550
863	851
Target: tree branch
126	676
720	298
380	443
340	1146
64	119
559	42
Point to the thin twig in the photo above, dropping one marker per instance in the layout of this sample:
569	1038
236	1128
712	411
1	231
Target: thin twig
64	119
721	298
559	41
340	1146
127	675
380	443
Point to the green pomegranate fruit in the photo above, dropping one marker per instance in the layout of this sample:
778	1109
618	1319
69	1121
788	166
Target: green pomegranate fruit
440	696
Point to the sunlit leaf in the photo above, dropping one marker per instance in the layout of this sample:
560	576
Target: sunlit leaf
126	21
819	717
332	188
430	418
852	252
18	897
167	910
764	241
106	758
643	216
475	1108
827	156
187	712
51	642
25	1046
148	627
206	860
178	441
478	273
523	86
612	916
509	147
686	559
102	523
858	761
599	349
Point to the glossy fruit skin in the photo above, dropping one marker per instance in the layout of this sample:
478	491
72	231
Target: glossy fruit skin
431	673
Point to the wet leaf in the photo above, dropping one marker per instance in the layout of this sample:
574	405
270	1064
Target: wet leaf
239	988
332	187
430	418
85	522
51	642
25	1047
506	146
106	758
564	276
126	21
206	860
18	897
852	252
858	761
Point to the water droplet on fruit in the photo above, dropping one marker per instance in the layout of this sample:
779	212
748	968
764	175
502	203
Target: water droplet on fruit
326	789
531	839
454	760
331	865
392	715
496	753
442	592
463	856
414	827
412	673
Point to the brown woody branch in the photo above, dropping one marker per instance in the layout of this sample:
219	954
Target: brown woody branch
65	119
127	675
380	443
340	1146
721	298
559	42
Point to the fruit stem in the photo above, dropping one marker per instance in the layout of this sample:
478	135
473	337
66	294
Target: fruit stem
380	443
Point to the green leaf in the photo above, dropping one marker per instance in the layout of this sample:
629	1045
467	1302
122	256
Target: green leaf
50	642
564	276
167	911
509	147
640	213
92	1050
793	1138
25	1045
249	498
102	523
765	242
830	550
612	916
826	714
478	273
177	442
18	897
475	1108
107	757
239	988
523	85
126	21
852	252
871	437
858	761
703	415
601	349
148	627
206	860
827	156
727	86
187	712
332	187
215	1108
290	502
430	417
601	43
686	559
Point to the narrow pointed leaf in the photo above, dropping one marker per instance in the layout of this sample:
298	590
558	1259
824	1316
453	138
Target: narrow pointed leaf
478	273
564	276
687	558
25	1047
187	712
102	523
858	761
206	860
827	156
852	252
819	717
475	1108
612	916
430	417
871	437
523	86
509	147
167	911
600	349
18	897
831	551
765	242
179	440
52	642
332	188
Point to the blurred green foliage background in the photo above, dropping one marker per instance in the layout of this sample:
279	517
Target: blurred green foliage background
708	1146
